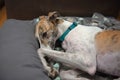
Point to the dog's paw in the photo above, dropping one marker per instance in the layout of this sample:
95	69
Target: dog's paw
53	73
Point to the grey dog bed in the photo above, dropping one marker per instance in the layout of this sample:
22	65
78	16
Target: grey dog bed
18	52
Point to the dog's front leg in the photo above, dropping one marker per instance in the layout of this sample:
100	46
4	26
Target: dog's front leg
75	60
51	72
45	64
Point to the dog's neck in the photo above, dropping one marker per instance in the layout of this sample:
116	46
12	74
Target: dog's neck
62	27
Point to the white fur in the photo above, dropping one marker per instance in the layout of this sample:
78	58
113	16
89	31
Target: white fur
79	45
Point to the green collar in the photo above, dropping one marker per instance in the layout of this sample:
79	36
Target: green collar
62	37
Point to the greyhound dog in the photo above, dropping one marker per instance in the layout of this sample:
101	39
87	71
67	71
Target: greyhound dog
87	48
45	32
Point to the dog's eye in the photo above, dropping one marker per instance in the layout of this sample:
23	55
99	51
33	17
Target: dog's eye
44	34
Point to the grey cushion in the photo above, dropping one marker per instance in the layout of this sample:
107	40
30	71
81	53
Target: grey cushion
18	52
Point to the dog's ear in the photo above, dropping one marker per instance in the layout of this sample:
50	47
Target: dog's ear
53	16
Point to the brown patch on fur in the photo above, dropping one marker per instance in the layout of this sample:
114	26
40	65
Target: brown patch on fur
115	38
108	41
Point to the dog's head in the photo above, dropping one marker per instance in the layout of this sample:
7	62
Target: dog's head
47	29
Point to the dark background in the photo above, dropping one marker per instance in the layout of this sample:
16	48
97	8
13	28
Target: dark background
29	9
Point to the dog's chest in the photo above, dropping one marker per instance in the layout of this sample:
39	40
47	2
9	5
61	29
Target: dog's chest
80	39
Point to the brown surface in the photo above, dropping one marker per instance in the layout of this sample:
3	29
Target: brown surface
2	16
29	9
